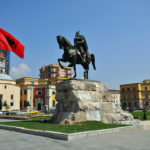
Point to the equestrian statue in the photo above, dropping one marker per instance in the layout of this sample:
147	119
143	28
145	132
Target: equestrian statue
76	54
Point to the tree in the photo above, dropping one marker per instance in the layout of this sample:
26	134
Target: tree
6	105
1	105
130	109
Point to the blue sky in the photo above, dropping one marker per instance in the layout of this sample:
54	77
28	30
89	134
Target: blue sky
117	32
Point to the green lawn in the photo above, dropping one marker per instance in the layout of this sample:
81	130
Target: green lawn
140	114
38	118
80	127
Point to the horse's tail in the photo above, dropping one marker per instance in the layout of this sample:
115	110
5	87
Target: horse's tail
93	61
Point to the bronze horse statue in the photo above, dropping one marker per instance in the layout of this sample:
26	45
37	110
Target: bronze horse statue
73	56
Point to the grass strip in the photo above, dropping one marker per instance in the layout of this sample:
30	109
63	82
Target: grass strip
79	127
140	114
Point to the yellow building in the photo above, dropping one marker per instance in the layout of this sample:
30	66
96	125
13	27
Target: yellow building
135	95
38	93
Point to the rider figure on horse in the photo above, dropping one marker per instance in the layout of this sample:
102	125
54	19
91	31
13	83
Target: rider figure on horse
81	45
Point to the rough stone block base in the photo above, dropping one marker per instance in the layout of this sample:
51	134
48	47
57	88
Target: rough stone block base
83	100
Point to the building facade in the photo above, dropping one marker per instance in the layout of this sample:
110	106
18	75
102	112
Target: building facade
38	94
5	61
54	70
115	95
135	95
9	93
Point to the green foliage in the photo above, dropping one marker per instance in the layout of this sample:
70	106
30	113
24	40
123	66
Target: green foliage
6	105
39	118
140	115
130	109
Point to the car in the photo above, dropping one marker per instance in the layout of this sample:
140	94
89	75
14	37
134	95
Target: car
134	108
1	113
127	108
52	110
33	112
138	108
23	112
13	112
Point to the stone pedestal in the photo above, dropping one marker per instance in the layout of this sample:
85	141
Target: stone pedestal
83	100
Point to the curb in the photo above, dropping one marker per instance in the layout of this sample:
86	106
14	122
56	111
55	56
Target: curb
50	134
14	117
69	137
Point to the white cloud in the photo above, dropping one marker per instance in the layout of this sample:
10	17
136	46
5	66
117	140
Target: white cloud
21	71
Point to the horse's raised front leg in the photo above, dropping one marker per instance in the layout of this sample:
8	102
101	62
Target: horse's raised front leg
59	60
74	68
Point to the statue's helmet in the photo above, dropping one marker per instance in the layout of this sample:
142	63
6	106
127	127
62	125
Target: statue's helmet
77	33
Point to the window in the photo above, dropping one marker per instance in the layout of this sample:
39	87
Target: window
123	92
11	102
134	89
146	93
54	93
20	104
12	96
25	104
53	103
134	95
39	92
32	82
5	86
128	89
147	103
25	92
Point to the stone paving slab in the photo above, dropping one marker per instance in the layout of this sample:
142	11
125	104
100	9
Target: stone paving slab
129	140
145	124
69	137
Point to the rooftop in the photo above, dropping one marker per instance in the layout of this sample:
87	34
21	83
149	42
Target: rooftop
5	77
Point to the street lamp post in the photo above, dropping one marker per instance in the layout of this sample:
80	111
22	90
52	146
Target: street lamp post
48	97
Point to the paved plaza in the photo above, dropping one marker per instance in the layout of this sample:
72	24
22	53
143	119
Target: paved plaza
130	140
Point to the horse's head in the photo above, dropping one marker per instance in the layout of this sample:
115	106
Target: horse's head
63	42
60	41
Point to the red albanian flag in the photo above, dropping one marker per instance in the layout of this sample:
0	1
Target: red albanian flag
8	42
